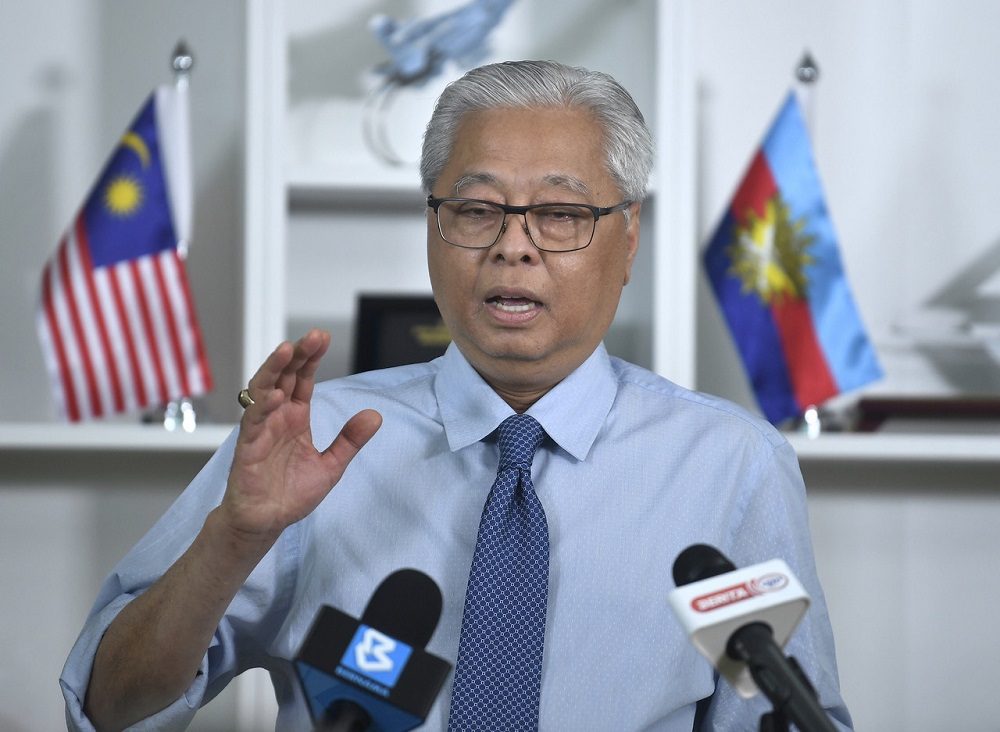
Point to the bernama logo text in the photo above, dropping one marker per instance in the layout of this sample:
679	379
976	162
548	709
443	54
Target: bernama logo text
744	591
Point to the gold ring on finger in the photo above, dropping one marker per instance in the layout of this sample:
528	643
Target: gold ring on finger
245	399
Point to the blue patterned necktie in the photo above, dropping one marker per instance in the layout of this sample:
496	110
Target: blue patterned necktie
499	669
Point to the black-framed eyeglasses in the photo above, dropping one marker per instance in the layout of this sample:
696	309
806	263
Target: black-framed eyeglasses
552	227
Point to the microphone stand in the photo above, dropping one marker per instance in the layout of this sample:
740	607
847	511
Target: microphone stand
345	716
773	722
781	679
776	720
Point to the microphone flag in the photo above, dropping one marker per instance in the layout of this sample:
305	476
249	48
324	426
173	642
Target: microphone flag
116	318
775	267
374	673
711	610
346	660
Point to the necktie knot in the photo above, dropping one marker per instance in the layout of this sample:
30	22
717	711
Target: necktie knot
520	436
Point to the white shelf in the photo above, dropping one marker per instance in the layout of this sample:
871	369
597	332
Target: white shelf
908	448
111	438
369	180
836	447
320	190
329	183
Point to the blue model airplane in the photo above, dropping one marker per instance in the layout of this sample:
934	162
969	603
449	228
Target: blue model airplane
419	48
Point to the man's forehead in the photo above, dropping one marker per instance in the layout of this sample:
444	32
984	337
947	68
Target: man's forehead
539	151
486	179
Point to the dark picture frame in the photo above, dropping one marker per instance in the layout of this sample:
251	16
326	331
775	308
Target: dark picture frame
395	330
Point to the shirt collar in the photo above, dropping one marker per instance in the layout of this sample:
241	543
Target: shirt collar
572	413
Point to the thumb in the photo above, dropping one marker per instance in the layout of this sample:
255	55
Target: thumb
352	437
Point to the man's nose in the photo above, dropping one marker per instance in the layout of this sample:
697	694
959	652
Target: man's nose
515	239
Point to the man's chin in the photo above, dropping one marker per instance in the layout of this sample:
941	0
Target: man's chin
518	366
503	352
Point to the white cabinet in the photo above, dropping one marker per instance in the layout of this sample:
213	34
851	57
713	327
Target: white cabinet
327	219
905	150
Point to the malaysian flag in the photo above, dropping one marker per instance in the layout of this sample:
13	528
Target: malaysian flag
116	319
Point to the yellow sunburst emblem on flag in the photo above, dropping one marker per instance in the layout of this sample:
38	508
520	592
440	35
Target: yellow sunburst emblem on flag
770	253
123	196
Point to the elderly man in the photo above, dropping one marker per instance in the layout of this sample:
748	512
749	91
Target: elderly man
555	578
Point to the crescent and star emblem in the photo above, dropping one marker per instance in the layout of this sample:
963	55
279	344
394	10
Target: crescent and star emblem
123	195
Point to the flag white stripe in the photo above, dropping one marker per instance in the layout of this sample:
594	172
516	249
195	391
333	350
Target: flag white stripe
160	333
91	346
74	362
171	326
116	337
179	299
49	347
122	273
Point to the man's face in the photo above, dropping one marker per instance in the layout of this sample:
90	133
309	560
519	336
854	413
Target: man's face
525	319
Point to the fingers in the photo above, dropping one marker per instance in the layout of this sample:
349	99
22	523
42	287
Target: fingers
353	436
306	362
290	369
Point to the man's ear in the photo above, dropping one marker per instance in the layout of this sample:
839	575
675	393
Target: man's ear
631	239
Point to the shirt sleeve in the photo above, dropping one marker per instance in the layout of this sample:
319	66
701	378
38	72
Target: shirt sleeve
771	520
249	624
76	677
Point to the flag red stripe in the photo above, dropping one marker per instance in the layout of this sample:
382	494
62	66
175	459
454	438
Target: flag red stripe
83	246
139	384
150	332
171	321
206	370
96	408
199	346
755	190
70	403
812	381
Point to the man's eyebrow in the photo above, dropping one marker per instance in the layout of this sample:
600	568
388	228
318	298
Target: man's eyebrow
471	179
555	180
566	181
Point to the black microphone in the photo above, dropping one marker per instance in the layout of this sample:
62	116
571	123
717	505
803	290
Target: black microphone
373	673
734	616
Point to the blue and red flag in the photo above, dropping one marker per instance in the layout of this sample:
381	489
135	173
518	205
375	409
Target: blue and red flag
775	267
116	318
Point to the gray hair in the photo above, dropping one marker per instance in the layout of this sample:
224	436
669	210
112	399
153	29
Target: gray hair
524	84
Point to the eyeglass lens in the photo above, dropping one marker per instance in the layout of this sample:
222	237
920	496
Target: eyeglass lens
559	227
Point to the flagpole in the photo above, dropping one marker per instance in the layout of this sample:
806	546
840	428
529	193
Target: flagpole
182	63
180	412
807	74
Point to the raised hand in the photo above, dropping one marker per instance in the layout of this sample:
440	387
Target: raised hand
153	649
278	476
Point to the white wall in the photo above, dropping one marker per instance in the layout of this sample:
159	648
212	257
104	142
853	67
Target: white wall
907	558
65	519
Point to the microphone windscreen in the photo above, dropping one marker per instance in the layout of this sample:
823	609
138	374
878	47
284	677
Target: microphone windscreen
407	606
698	562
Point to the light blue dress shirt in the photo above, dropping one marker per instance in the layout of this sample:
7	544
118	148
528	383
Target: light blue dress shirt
634	469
